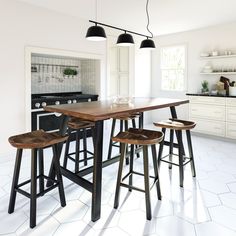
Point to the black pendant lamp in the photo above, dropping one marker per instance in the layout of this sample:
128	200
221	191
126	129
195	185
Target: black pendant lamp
125	40
148	43
96	33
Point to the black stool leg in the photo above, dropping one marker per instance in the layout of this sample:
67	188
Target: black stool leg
190	148
33	188
181	167
77	150
126	129
15	180
131	166
67	148
171	147
146	183
119	176
136	146
85	147
155	166
121	129
111	142
41	170
58	174
161	147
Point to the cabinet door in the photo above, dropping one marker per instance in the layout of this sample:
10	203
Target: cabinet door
207	100
231	102
124	85
231	130
231	114
124	59
207	111
209	126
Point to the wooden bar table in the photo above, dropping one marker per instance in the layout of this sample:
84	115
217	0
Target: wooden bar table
99	111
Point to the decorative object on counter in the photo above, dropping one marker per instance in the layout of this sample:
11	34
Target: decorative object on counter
205	54
205	88
232	88
97	33
215	53
226	84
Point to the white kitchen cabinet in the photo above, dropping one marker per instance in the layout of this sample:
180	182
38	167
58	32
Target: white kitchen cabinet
214	115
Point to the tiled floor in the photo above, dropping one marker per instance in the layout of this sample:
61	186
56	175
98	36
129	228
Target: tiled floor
205	206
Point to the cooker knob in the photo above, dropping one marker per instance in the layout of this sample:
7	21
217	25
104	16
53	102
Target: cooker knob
69	101
74	101
57	103
37	104
89	100
44	104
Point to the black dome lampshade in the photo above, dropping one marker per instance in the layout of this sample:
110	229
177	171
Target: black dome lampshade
147	44
125	40
96	33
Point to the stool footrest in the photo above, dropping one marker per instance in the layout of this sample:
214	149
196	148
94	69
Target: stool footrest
23	192
186	160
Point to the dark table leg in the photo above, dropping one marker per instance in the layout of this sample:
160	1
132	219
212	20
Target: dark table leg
140	123
174	115
62	131
97	172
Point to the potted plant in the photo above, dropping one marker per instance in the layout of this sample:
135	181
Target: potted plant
69	72
205	88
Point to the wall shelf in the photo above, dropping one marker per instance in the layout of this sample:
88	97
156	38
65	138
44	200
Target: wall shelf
218	57
218	73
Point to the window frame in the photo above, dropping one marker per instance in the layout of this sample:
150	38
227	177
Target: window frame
184	89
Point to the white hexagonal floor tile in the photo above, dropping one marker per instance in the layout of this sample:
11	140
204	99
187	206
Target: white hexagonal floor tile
45	205
221	176
5	179
160	208
9	223
172	226
211	228
135	223
232	187
45	225
228	199
20	202
109	218
110	231
213	186
209	199
2	193
73	211
74	229
224	216
129	201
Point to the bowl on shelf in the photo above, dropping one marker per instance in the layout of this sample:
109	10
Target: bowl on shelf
232	91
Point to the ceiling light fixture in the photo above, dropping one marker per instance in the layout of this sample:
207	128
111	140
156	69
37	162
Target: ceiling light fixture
148	43
97	33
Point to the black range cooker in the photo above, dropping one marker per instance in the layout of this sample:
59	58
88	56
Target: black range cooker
47	121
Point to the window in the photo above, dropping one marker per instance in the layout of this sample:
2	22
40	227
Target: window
173	68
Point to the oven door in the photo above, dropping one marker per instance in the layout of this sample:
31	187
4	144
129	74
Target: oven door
44	120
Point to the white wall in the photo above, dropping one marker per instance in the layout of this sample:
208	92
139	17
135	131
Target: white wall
219	38
23	25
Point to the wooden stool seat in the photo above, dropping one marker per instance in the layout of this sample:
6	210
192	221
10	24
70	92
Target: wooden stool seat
75	123
139	137
144	138
36	139
130	116
176	124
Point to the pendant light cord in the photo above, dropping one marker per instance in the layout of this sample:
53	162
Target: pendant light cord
148	19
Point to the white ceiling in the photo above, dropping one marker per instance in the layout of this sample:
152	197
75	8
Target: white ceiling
166	16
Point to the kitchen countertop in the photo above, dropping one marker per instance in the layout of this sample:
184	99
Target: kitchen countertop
209	95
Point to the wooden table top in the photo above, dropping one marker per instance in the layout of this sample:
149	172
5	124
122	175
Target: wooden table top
102	110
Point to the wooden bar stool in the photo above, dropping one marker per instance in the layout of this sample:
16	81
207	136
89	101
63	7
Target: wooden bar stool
80	127
36	141
144	138
177	126
124	126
